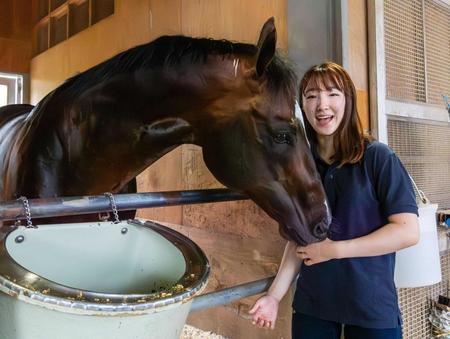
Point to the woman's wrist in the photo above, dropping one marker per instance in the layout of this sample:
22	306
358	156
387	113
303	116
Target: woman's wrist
274	295
339	249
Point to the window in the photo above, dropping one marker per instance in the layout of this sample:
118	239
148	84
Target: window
314	32
60	19
11	89
417	50
3	95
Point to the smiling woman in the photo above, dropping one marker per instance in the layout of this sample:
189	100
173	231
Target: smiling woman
374	214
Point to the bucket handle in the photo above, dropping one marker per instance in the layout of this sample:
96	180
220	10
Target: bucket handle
420	193
26	209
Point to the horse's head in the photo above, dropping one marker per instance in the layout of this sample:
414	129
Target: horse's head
256	145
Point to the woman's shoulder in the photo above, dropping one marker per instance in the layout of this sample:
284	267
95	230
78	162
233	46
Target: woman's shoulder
377	150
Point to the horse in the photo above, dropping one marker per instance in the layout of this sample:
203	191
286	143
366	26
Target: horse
102	127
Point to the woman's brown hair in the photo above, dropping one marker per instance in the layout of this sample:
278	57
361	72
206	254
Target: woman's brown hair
349	138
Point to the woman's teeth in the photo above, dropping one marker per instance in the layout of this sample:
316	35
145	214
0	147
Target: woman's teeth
325	118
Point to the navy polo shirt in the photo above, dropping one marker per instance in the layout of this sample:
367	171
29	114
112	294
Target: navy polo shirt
358	291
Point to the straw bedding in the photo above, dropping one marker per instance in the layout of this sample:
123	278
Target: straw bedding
190	332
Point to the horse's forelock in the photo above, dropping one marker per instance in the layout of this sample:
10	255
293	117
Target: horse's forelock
281	77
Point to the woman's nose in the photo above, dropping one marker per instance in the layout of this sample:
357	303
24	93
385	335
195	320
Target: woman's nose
322	101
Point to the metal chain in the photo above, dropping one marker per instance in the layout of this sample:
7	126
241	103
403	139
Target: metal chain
113	206
26	208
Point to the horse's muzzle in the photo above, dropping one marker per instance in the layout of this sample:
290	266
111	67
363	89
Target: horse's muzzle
320	231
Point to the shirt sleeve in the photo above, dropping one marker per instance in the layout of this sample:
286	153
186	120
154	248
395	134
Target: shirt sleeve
393	184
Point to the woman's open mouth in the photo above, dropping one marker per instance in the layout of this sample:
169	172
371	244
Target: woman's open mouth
323	120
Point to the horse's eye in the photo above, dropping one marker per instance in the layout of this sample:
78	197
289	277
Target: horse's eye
283	138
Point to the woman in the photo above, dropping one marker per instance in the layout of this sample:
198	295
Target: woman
346	279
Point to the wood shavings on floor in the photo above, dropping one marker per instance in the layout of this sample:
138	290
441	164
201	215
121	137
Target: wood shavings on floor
190	332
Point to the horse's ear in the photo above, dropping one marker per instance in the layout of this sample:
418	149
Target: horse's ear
266	46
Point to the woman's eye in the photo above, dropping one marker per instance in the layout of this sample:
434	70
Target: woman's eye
283	138
310	97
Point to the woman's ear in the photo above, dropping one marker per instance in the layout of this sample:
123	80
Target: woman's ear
266	46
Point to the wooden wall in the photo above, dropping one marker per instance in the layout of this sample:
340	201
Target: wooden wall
242	243
15	36
358	57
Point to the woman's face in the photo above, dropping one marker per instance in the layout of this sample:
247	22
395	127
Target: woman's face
324	108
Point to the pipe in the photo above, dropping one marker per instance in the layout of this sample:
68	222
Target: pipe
230	294
52	207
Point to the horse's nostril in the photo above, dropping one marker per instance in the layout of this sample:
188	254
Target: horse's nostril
320	230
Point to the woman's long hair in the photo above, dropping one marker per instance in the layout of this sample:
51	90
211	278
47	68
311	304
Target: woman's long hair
349	137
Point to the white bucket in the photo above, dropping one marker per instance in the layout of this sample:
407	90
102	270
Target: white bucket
98	281
420	265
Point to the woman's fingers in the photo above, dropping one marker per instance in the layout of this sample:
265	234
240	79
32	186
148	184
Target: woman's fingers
256	318
308	262
301	252
254	308
262	323
302	255
264	312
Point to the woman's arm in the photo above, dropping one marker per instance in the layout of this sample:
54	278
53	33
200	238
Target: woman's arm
289	268
265	309
402	231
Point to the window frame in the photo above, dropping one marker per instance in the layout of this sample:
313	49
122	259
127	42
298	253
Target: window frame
381	106
15	87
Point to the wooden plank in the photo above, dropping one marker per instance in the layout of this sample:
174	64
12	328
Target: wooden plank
15	36
362	104
234	260
242	242
6	18
233	321
15	20
358	57
163	175
15	56
165	17
233	20
357	43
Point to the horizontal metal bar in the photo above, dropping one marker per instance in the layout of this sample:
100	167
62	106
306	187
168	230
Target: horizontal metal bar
230	294
62	206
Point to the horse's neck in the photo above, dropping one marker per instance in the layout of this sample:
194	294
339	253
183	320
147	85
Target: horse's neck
107	135
10	156
118	130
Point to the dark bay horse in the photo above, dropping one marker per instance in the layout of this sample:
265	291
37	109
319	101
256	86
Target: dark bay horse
101	128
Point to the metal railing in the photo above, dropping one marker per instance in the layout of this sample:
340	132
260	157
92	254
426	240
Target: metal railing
64	206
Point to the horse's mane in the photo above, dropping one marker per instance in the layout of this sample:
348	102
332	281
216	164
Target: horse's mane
170	51
167	51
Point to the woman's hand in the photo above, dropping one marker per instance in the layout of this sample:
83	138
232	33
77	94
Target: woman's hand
265	312
317	252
